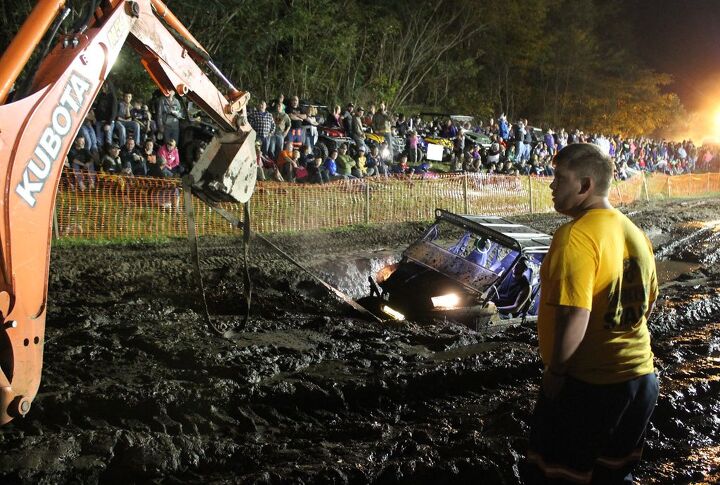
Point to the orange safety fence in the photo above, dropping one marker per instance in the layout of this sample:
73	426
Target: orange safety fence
102	206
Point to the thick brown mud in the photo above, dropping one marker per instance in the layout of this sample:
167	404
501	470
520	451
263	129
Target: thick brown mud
137	389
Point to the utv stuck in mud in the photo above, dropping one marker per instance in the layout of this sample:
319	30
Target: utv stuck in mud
458	269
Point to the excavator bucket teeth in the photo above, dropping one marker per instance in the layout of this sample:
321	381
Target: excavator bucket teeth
227	169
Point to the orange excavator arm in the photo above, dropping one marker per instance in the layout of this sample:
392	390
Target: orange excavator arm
37	131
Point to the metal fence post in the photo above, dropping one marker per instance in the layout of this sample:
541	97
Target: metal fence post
367	202
530	193
465	193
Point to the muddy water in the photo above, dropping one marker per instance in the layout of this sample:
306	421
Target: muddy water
137	389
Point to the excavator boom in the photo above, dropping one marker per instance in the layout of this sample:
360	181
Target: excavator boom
37	131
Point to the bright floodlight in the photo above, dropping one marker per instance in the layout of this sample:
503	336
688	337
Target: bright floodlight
451	300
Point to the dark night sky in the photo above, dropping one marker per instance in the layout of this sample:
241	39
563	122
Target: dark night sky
682	38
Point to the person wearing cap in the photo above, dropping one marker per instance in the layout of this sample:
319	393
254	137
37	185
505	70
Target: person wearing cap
111	162
549	140
347	117
360	168
357	131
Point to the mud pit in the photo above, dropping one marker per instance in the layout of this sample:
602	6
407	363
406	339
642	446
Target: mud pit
136	389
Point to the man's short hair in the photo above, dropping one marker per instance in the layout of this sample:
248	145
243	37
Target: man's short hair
587	160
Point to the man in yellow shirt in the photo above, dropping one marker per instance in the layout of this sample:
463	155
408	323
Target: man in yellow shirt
598	286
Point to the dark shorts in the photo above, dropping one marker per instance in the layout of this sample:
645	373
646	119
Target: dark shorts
590	433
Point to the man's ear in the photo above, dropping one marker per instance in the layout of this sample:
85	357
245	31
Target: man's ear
586	185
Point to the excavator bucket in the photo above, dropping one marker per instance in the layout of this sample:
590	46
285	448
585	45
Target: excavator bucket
227	169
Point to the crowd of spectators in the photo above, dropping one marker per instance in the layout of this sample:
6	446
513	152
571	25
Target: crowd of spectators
128	136
511	149
125	136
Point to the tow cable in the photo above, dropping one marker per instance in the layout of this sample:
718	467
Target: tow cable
247	234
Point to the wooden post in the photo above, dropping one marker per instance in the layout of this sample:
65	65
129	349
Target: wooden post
465	193
669	190
56	226
645	188
367	202
530	193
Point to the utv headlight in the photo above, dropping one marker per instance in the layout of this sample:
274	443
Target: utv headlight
393	313
449	301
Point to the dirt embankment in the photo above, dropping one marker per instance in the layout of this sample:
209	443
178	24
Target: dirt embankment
136	389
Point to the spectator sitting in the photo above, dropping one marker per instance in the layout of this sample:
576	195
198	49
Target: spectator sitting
401	167
81	159
169	153
360	168
345	163
374	164
470	164
493	154
141	114
111	161
508	169
298	171
125	121
87	131
423	167
159	169
148	153
316	175
132	157
329	167
286	162
306	156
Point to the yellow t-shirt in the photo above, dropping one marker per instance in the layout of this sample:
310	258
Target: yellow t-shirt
604	263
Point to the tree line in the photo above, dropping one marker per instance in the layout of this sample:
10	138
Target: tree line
559	63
